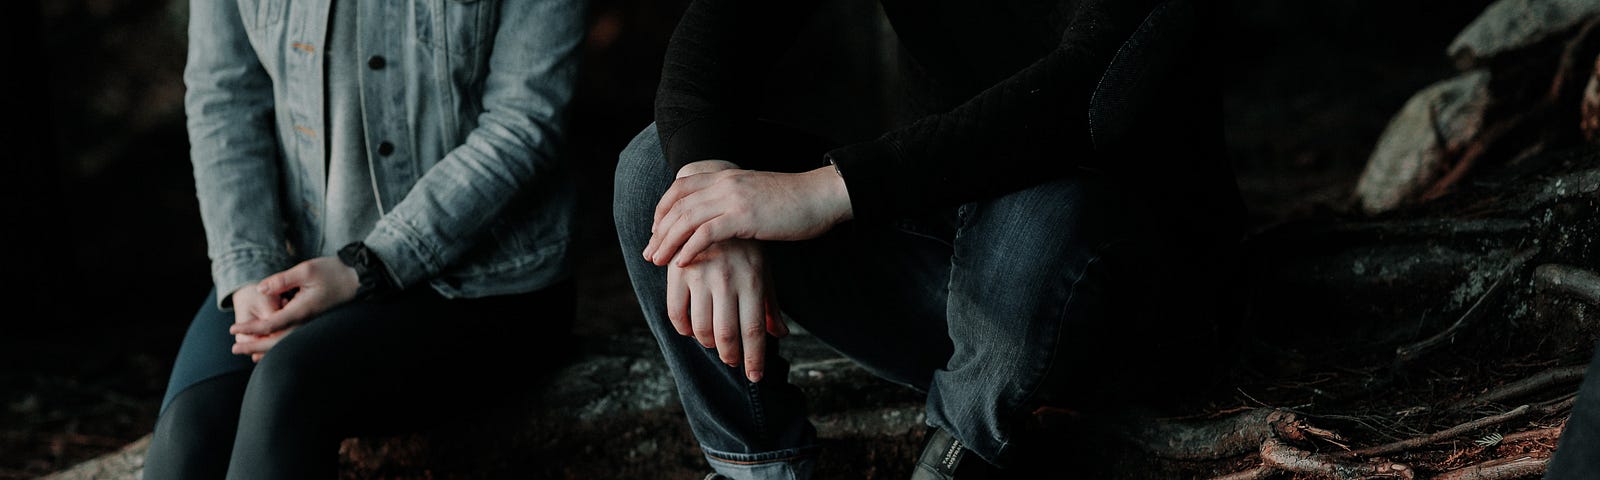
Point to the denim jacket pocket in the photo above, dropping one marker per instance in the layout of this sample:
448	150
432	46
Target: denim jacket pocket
456	26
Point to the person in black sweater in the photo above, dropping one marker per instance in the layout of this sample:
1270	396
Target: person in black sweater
1576	456
1062	214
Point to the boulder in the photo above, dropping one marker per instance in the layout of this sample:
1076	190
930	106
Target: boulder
1512	25
1434	125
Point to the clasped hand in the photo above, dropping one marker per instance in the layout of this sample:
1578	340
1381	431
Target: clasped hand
704	232
266	312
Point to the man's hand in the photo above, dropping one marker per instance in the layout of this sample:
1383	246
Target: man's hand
318	285
725	301
705	208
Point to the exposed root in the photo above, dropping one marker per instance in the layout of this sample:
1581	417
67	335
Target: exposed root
1539	434
1580	283
1500	469
1558	405
1445	434
1281	456
1541	381
1258	473
1213	439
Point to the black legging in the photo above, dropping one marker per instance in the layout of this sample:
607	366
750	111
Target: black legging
371	367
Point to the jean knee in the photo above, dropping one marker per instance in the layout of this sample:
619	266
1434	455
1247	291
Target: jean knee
642	176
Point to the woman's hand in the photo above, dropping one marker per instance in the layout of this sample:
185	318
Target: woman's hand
705	208
257	345
317	285
249	304
725	301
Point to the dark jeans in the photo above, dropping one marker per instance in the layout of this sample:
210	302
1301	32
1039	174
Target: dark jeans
991	308
1578	455
372	367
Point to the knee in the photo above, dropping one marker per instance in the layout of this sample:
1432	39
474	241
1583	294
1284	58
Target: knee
282	388
642	176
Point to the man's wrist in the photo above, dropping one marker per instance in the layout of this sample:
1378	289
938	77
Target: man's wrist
834	195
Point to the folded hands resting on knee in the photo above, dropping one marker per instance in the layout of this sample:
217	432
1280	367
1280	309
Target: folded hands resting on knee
268	311
705	232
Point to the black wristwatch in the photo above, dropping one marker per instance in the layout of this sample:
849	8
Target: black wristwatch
369	270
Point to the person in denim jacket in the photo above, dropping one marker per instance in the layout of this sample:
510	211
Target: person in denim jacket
387	211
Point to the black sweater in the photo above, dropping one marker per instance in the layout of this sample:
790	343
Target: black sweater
1027	69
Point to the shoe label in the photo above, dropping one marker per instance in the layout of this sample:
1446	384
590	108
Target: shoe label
951	458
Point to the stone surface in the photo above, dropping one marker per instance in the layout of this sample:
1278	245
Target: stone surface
1590	109
1411	153
124	464
1511	25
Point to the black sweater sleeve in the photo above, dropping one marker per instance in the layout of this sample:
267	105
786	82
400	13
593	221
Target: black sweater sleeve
716	63
1022	131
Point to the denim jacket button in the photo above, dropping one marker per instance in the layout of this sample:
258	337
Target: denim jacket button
385	148
376	62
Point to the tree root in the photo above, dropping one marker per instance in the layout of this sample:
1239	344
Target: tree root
1278	457
1541	381
1270	427
1214	439
1281	456
1550	433
1258	473
1442	435
1580	283
1499	469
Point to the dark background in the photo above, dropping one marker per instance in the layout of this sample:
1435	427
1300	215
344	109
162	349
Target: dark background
105	255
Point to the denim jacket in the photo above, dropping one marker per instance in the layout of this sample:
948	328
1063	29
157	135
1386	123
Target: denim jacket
463	103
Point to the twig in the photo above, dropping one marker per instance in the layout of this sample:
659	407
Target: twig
1405	354
1442	435
1540	381
1501	469
1570	280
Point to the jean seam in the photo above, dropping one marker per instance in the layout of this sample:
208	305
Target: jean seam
756	412
1038	380
779	456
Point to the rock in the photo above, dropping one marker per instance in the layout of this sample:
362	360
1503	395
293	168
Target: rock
1411	153
1590	122
1511	25
124	464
